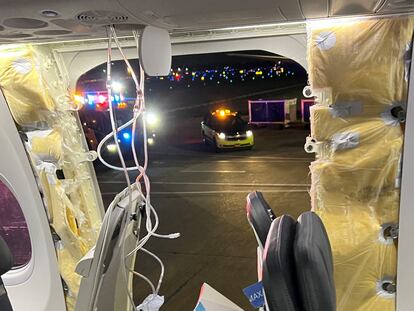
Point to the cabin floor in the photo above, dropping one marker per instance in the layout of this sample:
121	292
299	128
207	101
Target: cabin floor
202	195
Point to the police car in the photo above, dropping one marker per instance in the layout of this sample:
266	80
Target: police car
224	129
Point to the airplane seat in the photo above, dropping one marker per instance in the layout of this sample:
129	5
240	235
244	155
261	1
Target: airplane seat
6	263
259	215
279	275
314	264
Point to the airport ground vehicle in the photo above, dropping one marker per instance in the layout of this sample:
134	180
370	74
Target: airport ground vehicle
224	129
47	45
95	118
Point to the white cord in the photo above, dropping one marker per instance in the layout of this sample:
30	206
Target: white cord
120	155
139	110
162	268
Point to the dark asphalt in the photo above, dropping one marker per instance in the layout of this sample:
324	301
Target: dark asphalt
202	195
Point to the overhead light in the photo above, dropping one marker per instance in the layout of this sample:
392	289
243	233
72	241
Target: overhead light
303	23
333	21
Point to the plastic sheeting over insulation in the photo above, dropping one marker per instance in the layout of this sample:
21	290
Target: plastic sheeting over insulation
359	69
41	105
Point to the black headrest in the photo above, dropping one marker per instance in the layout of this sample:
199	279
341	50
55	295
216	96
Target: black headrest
260	216
279	276
314	264
6	257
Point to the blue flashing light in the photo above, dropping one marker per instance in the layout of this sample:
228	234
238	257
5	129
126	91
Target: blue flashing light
126	136
91	99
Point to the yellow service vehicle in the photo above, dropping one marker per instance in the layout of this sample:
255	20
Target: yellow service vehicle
224	129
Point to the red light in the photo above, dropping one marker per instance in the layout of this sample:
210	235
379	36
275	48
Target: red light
102	107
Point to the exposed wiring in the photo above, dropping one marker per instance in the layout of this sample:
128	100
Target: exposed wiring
161	265
120	155
138	114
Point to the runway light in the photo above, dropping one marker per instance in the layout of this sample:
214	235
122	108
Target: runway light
150	141
249	133
222	136
126	135
117	86
111	147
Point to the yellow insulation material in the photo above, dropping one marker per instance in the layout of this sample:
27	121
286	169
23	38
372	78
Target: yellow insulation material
49	147
37	94
23	85
362	256
67	265
362	61
324	125
362	171
72	247
361	67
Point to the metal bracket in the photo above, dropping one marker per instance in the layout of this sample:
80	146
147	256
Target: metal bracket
89	156
389	287
313	146
399	113
391	231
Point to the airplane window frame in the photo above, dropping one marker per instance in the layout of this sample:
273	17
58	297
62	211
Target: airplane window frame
23	251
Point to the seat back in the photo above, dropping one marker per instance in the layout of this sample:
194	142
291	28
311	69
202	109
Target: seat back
6	257
6	263
314	264
279	275
259	215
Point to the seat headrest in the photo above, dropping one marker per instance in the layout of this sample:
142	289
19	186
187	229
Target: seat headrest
279	276
6	257
260	216
314	264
